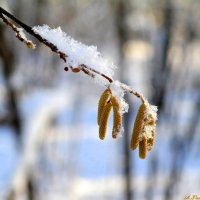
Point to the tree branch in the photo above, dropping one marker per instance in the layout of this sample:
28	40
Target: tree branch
87	70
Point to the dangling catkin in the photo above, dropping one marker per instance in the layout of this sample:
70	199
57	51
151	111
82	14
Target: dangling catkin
117	117
104	121
102	102
138	126
143	148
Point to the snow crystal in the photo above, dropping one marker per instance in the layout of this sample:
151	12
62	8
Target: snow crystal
153	111
119	92
120	132
101	80
77	52
22	34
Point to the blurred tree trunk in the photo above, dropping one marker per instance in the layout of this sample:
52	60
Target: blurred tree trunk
8	59
122	9
181	147
13	118
161	72
28	188
178	144
160	76
7	56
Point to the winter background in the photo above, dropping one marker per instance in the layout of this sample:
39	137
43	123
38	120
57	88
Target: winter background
49	145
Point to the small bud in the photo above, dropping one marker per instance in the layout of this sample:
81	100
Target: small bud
30	45
76	70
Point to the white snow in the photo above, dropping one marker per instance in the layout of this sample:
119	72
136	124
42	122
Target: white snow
22	35
98	79
153	111
77	52
119	92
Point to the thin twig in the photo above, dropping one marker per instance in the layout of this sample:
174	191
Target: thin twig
87	70
19	33
29	30
97	72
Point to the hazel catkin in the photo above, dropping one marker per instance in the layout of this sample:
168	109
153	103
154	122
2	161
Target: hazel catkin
102	102
117	117
104	120
138	126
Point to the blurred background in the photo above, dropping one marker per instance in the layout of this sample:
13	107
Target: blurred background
49	145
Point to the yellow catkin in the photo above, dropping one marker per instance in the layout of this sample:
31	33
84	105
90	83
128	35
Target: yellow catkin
117	117
102	102
138	126
143	148
104	121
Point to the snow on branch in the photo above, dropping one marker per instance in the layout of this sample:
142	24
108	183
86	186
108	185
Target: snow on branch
80	57
77	53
